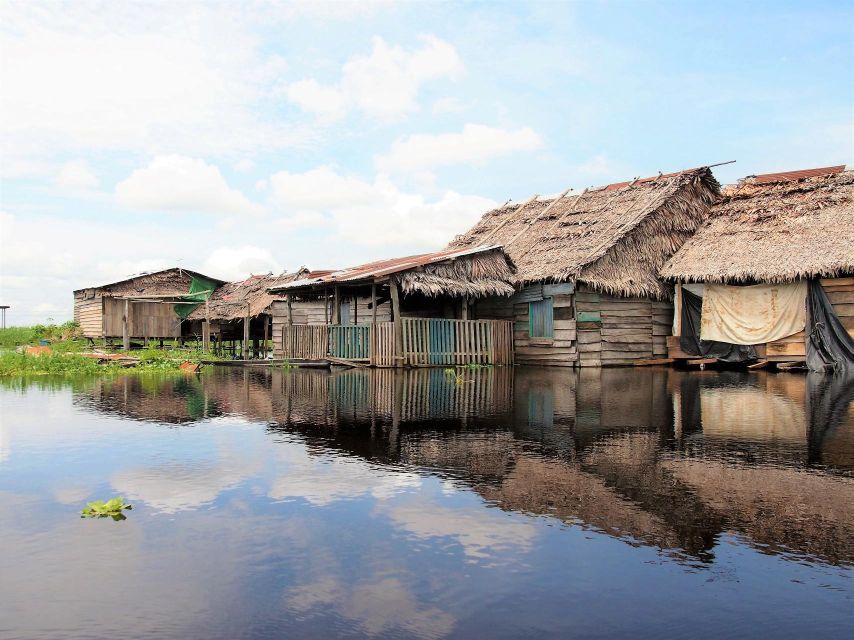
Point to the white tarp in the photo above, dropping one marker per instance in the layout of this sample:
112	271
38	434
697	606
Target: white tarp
753	315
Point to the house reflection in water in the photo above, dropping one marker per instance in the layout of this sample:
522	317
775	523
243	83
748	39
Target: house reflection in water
655	457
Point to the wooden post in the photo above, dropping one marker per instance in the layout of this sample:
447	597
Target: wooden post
290	311
398	324
336	309
125	327
245	344
374	303
206	329
326	306
266	333
465	313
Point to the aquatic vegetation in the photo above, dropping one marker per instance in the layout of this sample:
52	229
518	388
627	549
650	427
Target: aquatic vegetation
476	365
111	508
450	371
23	364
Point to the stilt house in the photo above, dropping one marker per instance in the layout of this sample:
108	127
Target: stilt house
148	306
238	315
413	311
771	271
587	285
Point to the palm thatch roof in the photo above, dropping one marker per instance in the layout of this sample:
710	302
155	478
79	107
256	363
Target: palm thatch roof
774	228
173	281
236	300
482	271
614	238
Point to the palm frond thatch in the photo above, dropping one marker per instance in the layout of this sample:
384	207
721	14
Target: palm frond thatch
614	238
773	232
250	297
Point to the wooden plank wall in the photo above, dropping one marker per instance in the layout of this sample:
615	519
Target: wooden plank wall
559	351
614	330
147	319
89	315
311	312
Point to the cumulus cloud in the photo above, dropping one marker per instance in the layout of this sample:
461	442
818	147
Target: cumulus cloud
448	105
383	84
236	263
76	175
125	75
475	144
375	213
179	183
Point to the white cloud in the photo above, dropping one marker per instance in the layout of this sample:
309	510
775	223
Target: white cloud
310	95
375	213
127	75
475	145
243	165
77	174
179	183
237	263
448	105
383	84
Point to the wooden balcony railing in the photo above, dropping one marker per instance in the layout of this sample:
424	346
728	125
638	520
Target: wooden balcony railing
413	342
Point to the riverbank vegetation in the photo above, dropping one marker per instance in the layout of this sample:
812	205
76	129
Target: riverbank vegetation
45	350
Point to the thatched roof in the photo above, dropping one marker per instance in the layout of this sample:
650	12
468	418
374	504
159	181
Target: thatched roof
166	282
613	238
236	300
778	230
478	272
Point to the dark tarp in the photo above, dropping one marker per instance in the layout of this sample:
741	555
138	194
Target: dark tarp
829	400
829	345
690	342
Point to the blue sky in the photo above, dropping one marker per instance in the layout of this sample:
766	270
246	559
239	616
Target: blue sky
239	138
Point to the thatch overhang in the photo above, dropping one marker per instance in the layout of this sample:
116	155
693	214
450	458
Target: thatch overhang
250	297
468	273
774	228
173	282
613	238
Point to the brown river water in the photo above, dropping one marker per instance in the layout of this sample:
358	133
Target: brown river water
493	503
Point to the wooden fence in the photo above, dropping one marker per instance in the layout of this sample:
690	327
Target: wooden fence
423	342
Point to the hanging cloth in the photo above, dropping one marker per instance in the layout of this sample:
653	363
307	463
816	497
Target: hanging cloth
690	342
754	314
829	345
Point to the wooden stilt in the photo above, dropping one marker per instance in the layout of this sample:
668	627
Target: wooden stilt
245	343
125	327
398	324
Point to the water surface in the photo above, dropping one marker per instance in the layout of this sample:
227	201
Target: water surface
641	503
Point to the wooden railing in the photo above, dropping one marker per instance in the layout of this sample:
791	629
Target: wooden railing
349	342
412	342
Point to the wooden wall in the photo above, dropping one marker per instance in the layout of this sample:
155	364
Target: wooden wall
558	351
614	330
147	319
88	313
311	312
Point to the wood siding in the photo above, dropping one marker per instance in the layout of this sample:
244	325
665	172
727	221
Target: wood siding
147	319
88	313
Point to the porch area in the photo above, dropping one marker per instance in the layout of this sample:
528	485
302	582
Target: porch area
412	342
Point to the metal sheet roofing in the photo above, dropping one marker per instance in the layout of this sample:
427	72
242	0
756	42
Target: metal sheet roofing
381	268
795	175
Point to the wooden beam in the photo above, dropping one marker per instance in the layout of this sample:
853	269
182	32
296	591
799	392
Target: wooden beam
290	311
374	303
465	309
326	306
652	362
398	324
126	327
245	344
336	309
206	329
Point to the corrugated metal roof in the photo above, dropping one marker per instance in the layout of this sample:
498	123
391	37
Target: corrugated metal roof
381	268
795	175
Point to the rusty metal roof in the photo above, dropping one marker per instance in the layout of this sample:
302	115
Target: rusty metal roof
795	175
381	268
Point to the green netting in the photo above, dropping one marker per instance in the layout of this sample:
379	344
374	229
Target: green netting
196	294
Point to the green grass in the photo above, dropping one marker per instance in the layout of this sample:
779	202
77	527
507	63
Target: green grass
14	364
67	333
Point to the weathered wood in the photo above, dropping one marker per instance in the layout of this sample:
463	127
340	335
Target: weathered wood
398	325
652	362
373	303
126	327
245	342
758	365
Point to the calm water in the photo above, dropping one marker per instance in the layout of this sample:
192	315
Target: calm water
528	503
